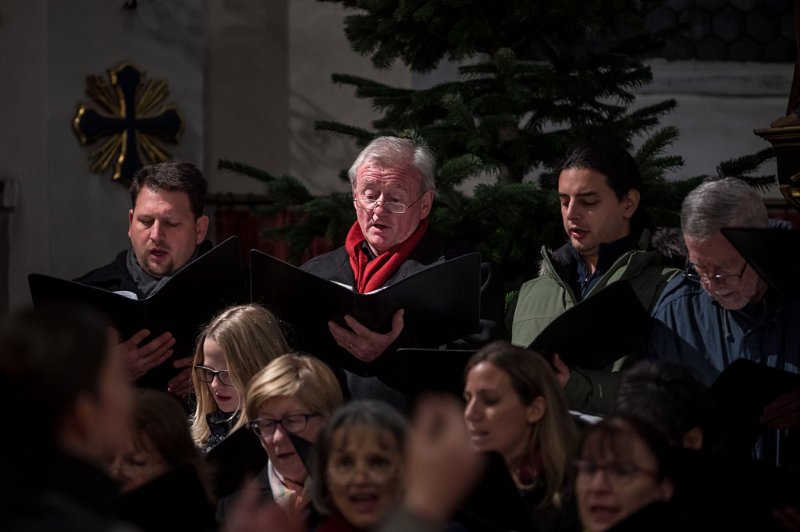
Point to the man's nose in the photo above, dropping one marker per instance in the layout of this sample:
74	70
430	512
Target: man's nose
156	232
573	210
380	203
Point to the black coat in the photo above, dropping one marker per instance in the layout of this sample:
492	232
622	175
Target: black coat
113	277
174	501
56	493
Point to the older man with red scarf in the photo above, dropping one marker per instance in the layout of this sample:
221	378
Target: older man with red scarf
393	191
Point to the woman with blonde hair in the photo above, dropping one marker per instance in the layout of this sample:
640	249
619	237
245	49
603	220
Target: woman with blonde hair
230	349
515	407
292	397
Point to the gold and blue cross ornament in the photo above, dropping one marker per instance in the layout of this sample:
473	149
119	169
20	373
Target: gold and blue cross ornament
132	117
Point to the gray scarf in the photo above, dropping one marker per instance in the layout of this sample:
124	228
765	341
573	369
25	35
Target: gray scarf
146	283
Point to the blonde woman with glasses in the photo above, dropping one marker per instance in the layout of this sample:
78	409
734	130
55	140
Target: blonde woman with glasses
292	397
230	349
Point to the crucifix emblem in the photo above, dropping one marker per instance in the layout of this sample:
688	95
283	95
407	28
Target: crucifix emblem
132	119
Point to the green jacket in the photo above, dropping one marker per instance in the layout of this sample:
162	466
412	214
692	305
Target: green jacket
544	298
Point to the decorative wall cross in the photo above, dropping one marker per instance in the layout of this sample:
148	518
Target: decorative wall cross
132	117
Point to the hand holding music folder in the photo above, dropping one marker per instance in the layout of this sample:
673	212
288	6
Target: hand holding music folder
597	331
188	300
441	302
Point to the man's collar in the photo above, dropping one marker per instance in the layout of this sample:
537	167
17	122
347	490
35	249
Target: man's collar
607	253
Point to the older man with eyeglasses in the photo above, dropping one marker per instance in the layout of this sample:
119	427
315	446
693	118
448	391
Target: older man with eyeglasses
720	310
393	191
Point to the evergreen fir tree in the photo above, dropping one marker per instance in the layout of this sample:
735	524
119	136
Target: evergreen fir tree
534	78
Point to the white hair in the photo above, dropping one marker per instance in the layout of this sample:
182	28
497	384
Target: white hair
394	152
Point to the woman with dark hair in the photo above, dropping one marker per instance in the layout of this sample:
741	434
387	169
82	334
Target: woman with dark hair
163	475
358	466
624	477
57	365
515	408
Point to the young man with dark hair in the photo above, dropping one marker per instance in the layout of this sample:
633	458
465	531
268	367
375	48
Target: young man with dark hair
609	240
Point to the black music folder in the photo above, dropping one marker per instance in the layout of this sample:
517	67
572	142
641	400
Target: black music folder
305	450
597	331
430	371
441	303
235	460
740	394
192	297
773	253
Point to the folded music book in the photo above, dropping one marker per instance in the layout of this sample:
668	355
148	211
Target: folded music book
188	300
740	394
773	253
597	331
235	460
305	450
441	303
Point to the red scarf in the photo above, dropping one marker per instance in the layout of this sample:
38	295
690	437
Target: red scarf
373	274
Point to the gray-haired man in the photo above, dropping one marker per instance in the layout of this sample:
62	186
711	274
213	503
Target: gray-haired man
720	309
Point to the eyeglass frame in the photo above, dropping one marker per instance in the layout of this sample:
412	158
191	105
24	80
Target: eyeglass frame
205	370
614	472
256	428
730	279
360	200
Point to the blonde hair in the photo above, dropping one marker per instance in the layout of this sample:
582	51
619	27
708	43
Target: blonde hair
554	437
294	375
249	336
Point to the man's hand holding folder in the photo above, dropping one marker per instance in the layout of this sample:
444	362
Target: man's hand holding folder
141	359
362	342
435	305
168	320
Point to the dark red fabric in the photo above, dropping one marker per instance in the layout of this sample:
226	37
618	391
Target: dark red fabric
335	523
373	274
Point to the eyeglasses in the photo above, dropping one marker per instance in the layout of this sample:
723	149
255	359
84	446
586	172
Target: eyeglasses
265	427
395	207
730	279
616	473
378	469
207	375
